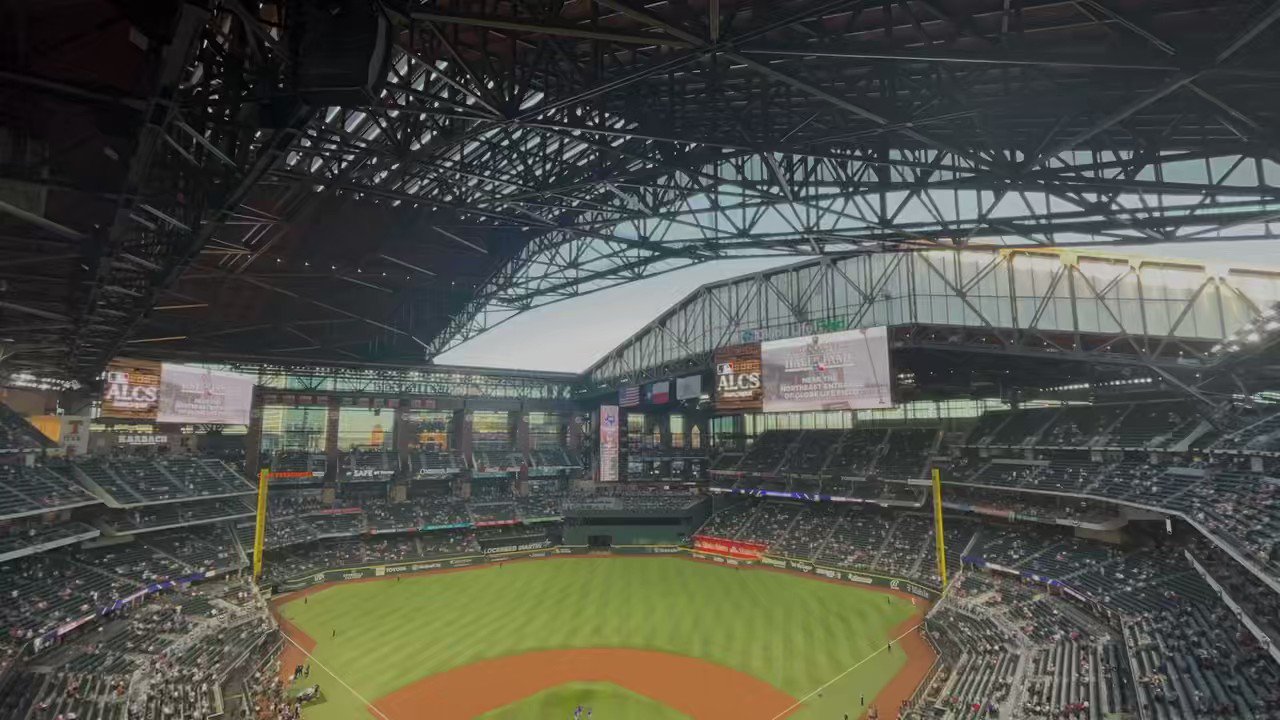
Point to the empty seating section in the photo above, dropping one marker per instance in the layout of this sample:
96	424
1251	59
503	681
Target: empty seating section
856	453
985	428
906	455
31	490
21	540
18	434
1023	426
155	517
138	481
1260	436
1149	425
768	451
811	451
1079	426
204	548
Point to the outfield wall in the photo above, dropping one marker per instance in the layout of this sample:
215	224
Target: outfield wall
801	567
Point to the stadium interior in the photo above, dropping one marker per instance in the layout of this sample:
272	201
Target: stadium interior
237	235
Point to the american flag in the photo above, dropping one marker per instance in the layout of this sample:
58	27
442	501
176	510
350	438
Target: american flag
629	396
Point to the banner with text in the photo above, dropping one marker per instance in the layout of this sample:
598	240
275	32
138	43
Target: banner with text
728	548
198	395
131	390
609	423
738	378
840	371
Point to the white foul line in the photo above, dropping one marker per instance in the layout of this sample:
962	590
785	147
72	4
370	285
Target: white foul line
850	669
335	677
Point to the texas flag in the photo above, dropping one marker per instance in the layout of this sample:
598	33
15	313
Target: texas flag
659	393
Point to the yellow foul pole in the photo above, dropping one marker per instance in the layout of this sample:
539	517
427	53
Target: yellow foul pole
260	524
939	538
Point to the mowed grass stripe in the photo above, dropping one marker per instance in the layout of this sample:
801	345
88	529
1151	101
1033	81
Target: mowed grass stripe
792	632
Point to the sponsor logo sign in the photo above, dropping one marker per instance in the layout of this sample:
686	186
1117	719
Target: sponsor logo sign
728	548
131	390
739	384
538	545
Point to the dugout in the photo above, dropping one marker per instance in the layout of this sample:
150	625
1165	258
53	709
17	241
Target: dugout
604	522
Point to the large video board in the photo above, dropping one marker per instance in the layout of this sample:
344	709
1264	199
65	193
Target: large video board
168	393
198	395
838	371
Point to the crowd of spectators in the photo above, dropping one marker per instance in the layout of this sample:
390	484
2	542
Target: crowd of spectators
165	657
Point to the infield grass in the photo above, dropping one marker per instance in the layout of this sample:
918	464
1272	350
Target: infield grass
793	632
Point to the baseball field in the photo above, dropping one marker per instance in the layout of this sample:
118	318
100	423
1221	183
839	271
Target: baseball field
631	638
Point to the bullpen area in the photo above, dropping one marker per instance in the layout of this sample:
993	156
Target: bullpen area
627	637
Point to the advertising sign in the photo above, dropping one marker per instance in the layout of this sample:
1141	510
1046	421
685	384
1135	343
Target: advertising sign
728	548
738	378
609	423
839	371
131	390
198	395
688	388
74	436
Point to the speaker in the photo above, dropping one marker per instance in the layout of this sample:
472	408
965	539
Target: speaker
341	49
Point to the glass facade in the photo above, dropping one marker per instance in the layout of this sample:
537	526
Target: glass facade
365	429
294	428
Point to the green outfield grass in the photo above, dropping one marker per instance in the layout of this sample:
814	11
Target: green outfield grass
606	700
791	631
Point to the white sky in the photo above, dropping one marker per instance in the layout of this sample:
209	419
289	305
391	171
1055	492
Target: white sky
569	336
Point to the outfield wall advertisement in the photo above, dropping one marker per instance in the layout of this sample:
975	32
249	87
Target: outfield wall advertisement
728	548
838	371
770	561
